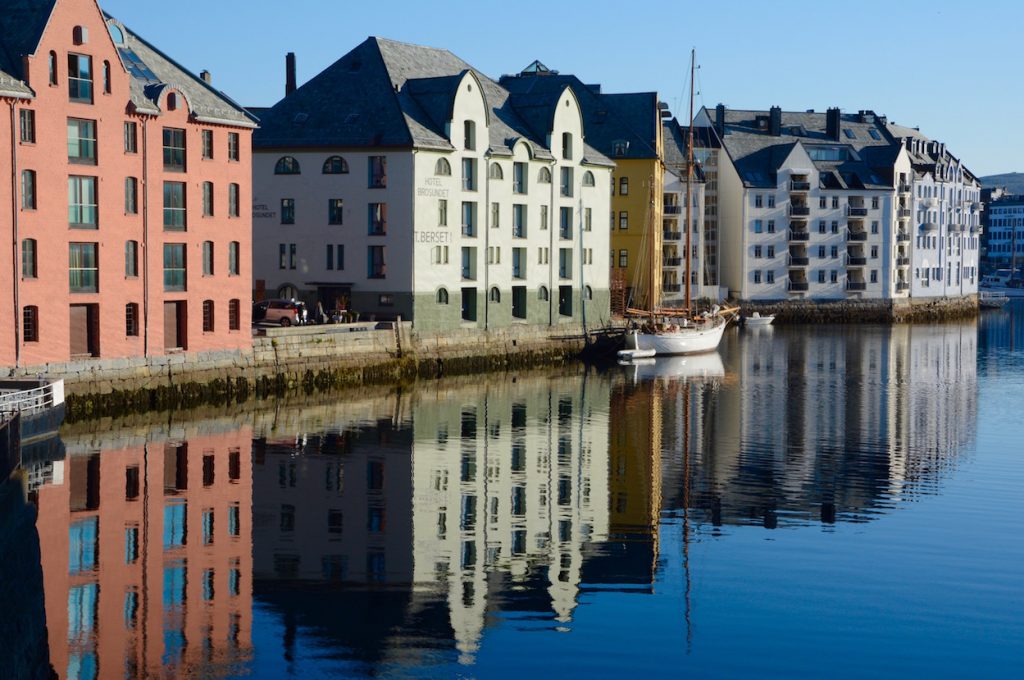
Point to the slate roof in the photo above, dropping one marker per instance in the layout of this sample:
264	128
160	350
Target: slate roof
757	154
676	139
386	93
607	118
22	23
925	158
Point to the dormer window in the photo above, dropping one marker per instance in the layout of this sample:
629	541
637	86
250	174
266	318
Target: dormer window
469	132
620	148
80	35
79	78
567	146
287	166
172	102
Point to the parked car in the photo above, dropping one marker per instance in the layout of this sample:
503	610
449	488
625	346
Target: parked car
283	312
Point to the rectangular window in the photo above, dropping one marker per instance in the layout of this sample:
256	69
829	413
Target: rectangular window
442	212
495	215
287	211
758	226
833	276
566	182
623	259
207	328
82	141
588	219
207	258
822	227
233	251
469	174
174	206
771	226
823	202
757	276
375	265
29	259
207	199
233	201
174	267
874	226
757	251
131	259
770	276
233	146
623	220
519	175
131	196
377	219
821	251
378	167
835	202
565	223
82	207
330	256
293	255
131	137
623	186
28	189
874	276
758	200
234	324
282	256
771	200
519	220
468	218
207	144
565	263
80	78
83	268
835	227
339	255
174	149
821	276
835	252
874	202
543	218
27	120
874	252
335	210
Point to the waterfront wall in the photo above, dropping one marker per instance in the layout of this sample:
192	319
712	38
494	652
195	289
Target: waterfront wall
866	311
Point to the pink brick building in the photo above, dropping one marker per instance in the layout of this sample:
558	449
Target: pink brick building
122	224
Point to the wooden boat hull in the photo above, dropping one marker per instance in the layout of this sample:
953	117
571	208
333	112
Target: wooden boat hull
692	340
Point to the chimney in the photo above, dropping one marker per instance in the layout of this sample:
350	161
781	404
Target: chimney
720	120
775	121
289	74
207	77
832	124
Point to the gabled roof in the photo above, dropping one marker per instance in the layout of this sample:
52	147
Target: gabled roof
23	22
608	119
385	93
676	139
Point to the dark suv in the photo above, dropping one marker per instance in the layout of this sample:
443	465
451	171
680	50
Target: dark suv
283	312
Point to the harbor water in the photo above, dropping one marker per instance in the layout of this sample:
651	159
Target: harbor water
841	501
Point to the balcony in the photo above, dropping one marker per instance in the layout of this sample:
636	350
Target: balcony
902	287
902	261
672	262
798	286
799	235
856	286
799	210
672	235
856	235
857	211
903	213
799	260
799	186
929	226
903	237
856	261
673	209
672	287
905	188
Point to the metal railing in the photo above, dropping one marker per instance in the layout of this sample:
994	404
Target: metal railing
32	400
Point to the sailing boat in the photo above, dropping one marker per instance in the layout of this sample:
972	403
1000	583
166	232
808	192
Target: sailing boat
665	332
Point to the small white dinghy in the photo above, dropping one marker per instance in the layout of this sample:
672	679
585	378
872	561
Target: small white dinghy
756	319
632	354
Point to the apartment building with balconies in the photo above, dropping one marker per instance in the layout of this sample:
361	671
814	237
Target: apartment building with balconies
402	182
128	173
822	206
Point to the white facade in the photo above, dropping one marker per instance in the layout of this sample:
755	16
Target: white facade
674	245
1006	216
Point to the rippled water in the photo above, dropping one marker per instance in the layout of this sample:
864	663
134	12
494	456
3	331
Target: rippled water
811	501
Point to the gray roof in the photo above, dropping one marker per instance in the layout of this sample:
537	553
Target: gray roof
385	93
607	118
926	155
676	139
757	154
22	23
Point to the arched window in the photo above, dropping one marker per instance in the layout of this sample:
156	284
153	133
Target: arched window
496	172
53	68
588	293
207	316
287	292
131	319
442	296
29	259
495	294
106	77
234	315
287	166
30	323
588	179
542	294
335	165
544	177
443	168
172	102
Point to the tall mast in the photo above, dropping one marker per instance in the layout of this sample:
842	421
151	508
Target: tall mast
689	179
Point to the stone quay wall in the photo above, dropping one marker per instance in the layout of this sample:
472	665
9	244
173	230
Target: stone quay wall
312	358
865	311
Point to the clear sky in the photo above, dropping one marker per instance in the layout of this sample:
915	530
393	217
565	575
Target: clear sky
950	68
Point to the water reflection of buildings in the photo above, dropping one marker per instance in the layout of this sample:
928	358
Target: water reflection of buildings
146	552
489	498
834	425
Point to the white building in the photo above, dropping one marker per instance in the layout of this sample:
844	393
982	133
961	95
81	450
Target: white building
822	206
402	182
1005	217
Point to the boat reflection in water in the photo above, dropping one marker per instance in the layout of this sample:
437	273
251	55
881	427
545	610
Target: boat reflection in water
395	532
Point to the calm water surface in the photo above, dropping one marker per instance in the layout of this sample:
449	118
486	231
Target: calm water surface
815	501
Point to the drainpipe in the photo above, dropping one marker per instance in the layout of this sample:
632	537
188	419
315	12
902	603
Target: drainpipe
145	237
15	288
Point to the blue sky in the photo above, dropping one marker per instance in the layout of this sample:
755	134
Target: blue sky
949	68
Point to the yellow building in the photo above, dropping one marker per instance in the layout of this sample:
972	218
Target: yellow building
628	129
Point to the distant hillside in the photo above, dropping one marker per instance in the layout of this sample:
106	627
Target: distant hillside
1013	181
